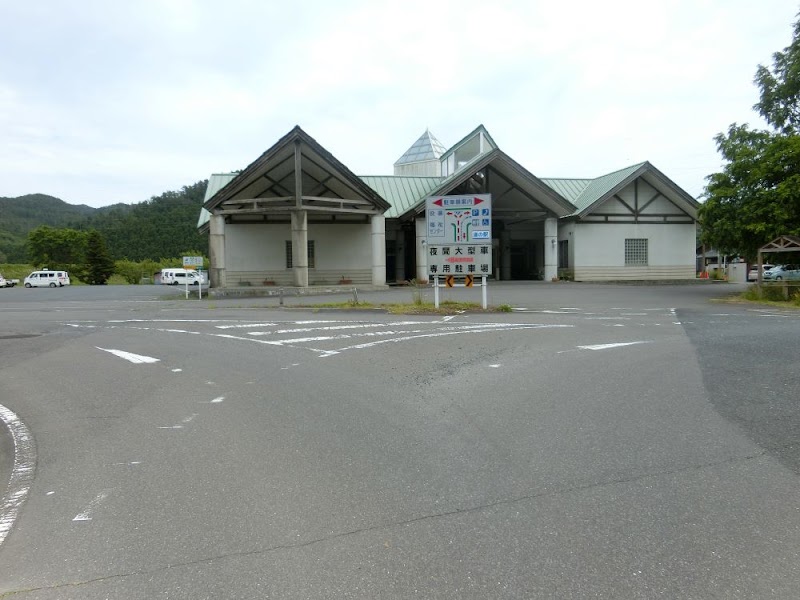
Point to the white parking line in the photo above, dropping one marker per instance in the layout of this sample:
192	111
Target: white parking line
19	485
428	329
441	332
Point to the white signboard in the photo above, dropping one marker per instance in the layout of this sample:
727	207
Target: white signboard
459	239
192	262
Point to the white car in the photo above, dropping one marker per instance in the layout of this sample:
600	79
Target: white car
752	274
47	278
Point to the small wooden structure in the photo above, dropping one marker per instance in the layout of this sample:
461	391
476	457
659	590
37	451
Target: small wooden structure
784	243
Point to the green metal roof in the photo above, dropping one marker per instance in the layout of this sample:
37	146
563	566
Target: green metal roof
402	193
215	183
591	190
569	188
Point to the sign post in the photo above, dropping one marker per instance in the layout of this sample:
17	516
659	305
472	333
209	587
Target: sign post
459	240
192	263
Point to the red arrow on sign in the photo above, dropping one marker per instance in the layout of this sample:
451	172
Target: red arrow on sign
475	201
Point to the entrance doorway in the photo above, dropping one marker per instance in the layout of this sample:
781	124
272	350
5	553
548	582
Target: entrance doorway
523	260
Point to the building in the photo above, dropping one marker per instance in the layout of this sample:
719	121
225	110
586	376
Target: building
297	216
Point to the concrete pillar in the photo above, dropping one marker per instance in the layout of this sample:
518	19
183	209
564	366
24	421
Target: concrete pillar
421	229
505	255
378	223
300	247
216	252
550	249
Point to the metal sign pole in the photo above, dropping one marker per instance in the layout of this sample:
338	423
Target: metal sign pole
484	293
436	291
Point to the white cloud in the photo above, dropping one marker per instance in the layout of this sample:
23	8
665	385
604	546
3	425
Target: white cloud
104	102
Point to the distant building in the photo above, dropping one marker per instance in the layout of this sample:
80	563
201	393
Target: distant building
296	216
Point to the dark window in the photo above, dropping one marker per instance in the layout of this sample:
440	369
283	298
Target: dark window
563	254
311	259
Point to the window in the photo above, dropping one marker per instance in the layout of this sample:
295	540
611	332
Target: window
635	252
563	254
311	259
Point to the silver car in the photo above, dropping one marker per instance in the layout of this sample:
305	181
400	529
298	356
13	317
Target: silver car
780	272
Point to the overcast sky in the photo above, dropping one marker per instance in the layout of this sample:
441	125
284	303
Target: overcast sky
104	102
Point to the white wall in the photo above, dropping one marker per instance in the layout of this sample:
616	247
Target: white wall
599	251
342	247
256	247
256	252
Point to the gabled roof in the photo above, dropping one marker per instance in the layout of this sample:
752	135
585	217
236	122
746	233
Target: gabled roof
784	243
513	171
403	193
468	137
599	188
246	182
585	194
427	147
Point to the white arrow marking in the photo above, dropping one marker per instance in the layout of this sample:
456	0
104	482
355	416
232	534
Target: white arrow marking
86	515
607	346
134	358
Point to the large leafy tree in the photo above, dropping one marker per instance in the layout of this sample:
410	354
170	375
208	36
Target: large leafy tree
56	248
756	198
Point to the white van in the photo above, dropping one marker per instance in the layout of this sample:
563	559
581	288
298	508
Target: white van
183	277
47	278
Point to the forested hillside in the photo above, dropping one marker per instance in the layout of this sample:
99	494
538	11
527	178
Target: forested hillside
164	226
19	215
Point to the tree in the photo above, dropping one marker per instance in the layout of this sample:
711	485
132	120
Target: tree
99	265
56	248
756	198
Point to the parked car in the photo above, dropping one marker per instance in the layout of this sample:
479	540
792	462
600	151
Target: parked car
780	272
183	277
752	274
7	282
47	278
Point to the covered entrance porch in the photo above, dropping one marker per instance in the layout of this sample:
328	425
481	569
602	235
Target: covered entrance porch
525	213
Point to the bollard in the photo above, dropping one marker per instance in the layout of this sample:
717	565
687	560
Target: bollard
281	296
355	296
